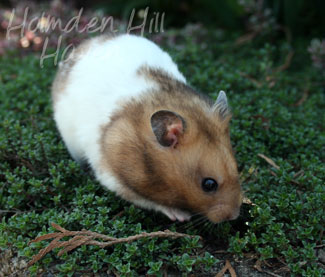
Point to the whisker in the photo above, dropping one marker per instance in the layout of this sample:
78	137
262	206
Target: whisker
211	228
193	223
206	226
197	222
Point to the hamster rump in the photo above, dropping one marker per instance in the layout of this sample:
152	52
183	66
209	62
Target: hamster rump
124	107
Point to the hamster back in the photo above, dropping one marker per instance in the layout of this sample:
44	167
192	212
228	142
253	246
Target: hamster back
122	106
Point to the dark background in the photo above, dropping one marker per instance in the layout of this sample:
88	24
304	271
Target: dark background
302	17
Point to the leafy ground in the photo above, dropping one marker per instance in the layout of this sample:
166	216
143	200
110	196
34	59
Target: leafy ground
278	111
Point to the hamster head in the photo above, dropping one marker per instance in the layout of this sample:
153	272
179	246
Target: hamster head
199	165
178	157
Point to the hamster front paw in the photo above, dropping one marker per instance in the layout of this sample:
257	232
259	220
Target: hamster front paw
175	214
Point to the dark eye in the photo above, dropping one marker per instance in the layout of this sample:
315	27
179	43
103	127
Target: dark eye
209	185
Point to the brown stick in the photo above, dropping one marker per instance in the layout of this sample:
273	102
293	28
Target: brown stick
228	267
269	161
86	237
286	64
253	80
246	38
271	273
303	97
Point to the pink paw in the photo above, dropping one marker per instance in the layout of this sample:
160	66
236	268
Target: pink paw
175	214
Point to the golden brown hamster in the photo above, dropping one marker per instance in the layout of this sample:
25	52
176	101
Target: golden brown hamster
121	105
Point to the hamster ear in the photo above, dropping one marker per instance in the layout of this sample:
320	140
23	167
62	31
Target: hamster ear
167	127
220	107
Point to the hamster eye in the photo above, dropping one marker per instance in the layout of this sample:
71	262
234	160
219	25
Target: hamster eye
209	185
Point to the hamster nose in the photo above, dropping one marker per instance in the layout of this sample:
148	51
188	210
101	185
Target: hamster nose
223	213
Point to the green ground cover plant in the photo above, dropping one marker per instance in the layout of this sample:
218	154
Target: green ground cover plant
278	111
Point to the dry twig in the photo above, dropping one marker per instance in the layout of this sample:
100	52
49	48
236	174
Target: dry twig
246	38
273	173
86	237
286	64
269	161
258	266
271	273
225	268
303	97
253	80
9	211
282	269
247	201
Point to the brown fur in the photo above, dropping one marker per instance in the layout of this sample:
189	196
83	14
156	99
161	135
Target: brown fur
167	176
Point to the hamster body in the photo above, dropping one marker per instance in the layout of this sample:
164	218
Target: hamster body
121	105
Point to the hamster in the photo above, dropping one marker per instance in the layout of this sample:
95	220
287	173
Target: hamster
122	106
